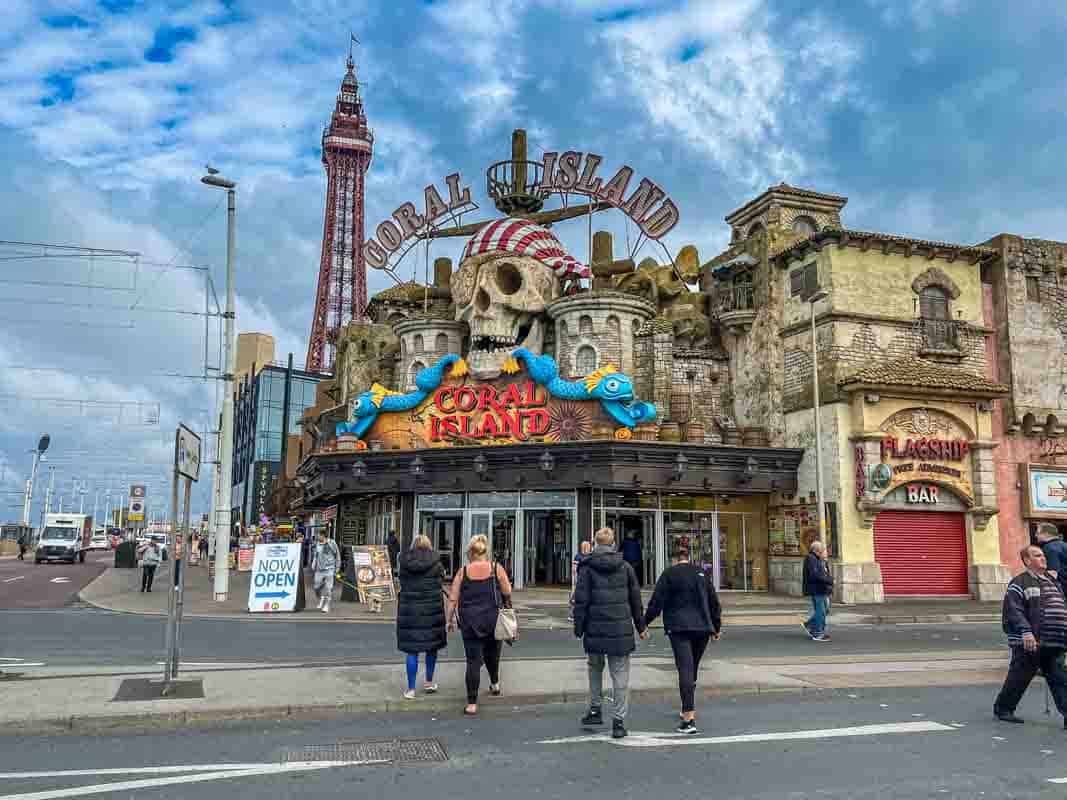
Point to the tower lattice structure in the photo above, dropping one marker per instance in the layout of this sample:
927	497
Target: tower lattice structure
341	296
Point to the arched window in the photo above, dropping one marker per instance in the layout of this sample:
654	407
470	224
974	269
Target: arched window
441	343
585	325
416	343
415	367
613	325
804	225
585	360
363	347
933	303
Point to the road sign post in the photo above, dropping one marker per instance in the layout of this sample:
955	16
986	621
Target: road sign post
186	465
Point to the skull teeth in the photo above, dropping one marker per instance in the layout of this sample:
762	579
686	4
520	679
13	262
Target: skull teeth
494	343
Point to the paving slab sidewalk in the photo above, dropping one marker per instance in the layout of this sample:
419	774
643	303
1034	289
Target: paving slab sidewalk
85	703
119	590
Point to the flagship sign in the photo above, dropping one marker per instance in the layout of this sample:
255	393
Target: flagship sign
571	172
926	446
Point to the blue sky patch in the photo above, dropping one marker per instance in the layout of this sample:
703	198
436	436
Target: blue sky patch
62	86
619	15
65	21
691	51
165	42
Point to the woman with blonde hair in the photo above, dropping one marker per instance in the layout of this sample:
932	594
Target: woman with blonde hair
420	611
479	591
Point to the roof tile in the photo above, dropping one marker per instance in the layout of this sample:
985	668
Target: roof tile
915	372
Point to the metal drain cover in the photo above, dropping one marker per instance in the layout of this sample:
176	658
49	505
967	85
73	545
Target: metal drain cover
393	751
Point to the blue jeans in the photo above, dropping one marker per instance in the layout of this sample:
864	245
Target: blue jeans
413	668
820	604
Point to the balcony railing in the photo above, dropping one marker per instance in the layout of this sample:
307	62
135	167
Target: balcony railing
939	334
736	297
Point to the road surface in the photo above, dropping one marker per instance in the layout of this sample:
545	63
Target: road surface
82	637
860	745
24	584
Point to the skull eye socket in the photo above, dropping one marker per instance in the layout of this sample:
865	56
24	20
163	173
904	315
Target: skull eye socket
508	278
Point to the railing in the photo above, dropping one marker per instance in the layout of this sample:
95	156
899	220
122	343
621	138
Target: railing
939	334
736	297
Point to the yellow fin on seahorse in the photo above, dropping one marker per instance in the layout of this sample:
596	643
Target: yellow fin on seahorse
379	393
459	369
593	378
511	366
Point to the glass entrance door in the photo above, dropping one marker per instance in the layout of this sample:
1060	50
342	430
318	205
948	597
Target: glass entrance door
499	528
635	538
446	540
548	547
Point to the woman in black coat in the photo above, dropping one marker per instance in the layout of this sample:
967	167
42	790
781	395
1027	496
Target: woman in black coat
420	611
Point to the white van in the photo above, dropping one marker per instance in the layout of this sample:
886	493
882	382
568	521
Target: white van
65	537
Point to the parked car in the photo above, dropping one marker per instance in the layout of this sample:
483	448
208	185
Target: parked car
99	540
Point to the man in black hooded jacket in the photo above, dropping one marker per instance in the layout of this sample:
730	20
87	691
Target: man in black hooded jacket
607	608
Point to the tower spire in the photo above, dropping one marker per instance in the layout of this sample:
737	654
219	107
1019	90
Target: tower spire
341	295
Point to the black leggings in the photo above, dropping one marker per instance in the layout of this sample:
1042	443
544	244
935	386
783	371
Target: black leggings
688	649
148	572
481	651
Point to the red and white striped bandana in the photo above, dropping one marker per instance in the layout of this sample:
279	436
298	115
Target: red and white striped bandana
523	238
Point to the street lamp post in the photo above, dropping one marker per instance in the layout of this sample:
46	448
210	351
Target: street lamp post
42	445
819	295
222	510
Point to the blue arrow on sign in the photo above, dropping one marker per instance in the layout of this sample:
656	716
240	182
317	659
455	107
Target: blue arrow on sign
272	594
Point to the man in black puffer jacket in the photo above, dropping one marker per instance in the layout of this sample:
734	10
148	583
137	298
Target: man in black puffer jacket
420	611
607	608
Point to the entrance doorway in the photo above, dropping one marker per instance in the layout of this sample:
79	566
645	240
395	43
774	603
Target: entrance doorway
548	551
635	538
498	527
444	530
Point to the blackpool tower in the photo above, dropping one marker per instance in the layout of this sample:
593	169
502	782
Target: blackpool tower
341	296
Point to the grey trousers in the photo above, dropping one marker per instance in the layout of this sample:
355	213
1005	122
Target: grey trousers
619	667
323	584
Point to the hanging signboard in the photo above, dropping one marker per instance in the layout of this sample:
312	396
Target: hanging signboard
135	511
187	453
1045	496
924	445
275	576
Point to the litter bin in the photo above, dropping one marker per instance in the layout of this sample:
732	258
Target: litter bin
126	555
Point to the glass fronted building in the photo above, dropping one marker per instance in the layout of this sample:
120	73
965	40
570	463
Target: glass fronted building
259	422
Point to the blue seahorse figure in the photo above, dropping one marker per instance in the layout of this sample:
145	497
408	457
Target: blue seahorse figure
614	390
368	405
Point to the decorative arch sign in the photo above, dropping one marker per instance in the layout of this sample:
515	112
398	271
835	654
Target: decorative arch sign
571	172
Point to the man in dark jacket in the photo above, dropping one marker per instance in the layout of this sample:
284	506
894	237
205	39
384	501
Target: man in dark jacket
1035	620
394	552
1055	550
607	608
818	584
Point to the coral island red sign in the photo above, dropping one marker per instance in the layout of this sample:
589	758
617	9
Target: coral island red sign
481	412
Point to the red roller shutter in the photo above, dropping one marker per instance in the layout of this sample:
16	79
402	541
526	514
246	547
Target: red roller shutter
921	552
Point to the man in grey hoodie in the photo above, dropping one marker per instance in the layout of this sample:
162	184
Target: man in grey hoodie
327	560
149	562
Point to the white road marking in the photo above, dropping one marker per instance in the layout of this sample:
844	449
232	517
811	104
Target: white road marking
646	739
201	773
1057	780
20	662
60	580
19	578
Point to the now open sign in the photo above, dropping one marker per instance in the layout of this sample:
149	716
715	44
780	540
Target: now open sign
275	572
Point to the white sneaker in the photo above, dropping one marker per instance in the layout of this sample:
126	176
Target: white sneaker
326	607
430	688
321	601
409	694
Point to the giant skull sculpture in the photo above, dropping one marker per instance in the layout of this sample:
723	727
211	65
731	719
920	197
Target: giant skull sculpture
510	271
502	298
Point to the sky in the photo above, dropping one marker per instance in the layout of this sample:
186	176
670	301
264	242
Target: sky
940	119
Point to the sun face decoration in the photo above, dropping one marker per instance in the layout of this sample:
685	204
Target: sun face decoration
568	422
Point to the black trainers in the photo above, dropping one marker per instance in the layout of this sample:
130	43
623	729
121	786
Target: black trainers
687	726
618	730
594	717
1008	716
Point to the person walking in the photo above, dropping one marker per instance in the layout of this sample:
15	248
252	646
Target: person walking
149	562
324	566
631	553
23	546
1055	550
818	584
203	550
1034	617
478	593
607	608
686	597
394	552
584	550
420	612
